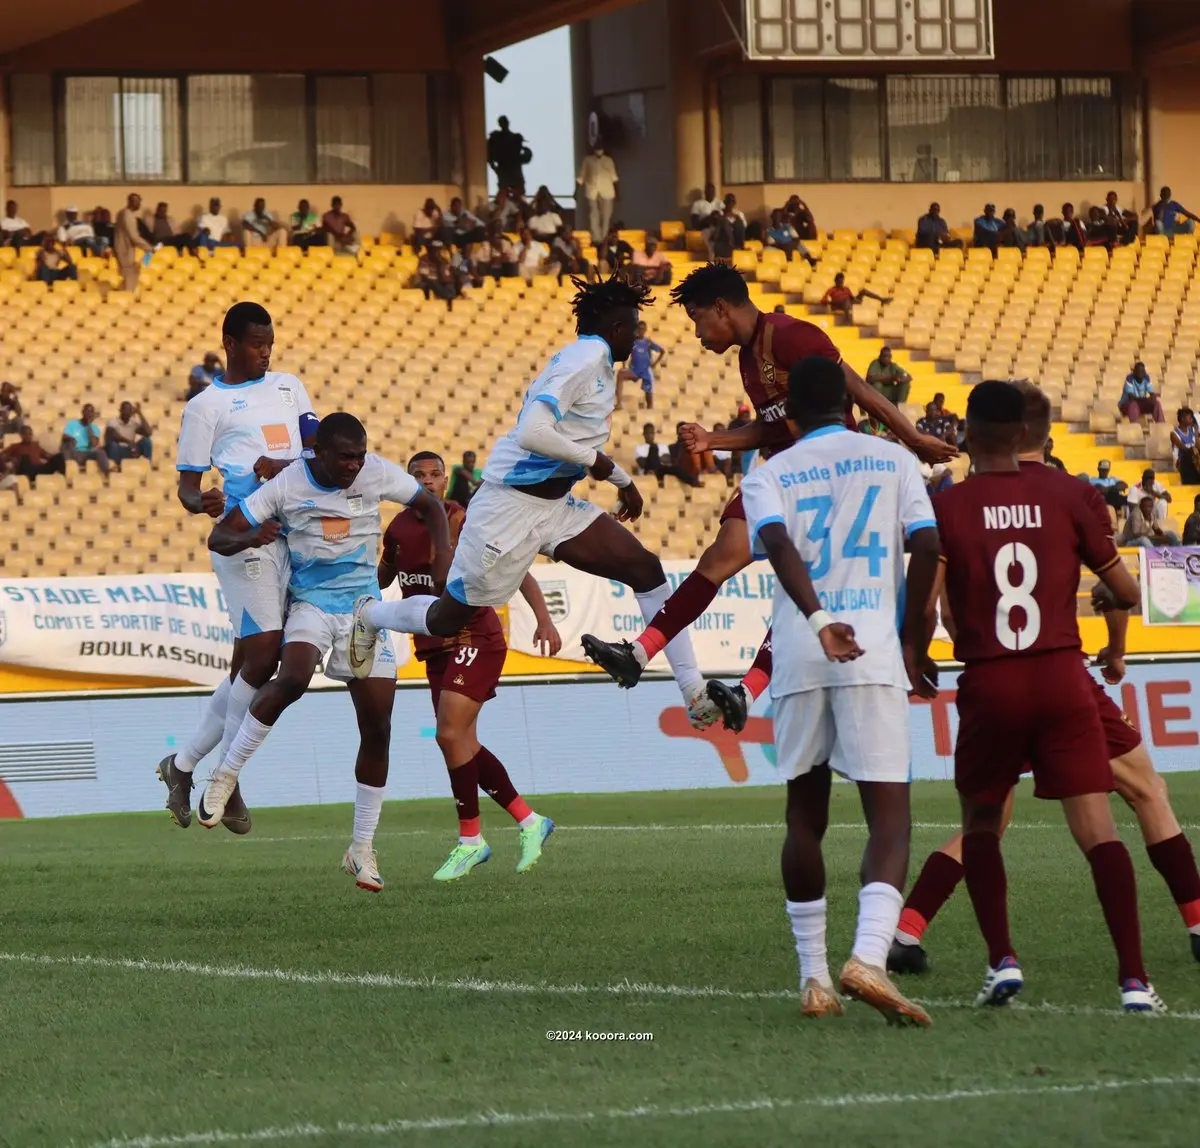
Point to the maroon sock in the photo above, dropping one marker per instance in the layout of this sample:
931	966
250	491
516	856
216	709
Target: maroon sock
758	676
1176	865
939	878
495	782
681	609
987	883
464	784
1116	886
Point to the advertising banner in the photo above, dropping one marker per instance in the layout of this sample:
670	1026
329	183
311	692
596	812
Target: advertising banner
1171	586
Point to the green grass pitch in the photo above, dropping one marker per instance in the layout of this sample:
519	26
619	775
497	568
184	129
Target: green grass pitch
162	988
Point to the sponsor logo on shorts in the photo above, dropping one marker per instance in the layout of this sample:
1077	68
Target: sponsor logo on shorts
354	503
459	681
287	397
276	436
558	600
252	568
384	654
490	556
335	529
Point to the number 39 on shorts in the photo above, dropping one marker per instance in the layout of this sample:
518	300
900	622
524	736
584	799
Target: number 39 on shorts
465	656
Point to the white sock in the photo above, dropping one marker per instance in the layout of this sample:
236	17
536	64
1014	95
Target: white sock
208	733
680	655
368	802
241	694
808	927
527	820
247	739
879	907
475	839
404	614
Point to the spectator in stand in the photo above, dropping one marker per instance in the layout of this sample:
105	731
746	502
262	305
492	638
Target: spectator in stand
937	421
937	477
496	255
463	226
614	252
28	457
1166	215
1123	224
1143	527
212	228
1074	230
652	267
704	208
102	225
1138	399
159	230
797	213
341	229
601	186
723	459
260	228
14	231
465	479
80	233
304	227
81	441
128	435
987	228
874	426
741	418
533	256
53	263
435	275
428	222
1113	489
783	234
1035	233
567	252
1010	233
507	155
1150	487
841	299
1185	447
888	378
735	221
642	365
201	377
545	222
686	464
12	417
1100	229
649	457
506	210
1049	458
933	232
1191	528
128	245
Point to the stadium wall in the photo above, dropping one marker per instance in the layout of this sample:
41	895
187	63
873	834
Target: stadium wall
97	755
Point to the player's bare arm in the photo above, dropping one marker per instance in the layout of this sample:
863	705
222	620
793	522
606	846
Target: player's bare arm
750	437
266	468
1111	659
197	501
920	589
1121	585
234	534
433	514
836	638
546	638
386	571
924	446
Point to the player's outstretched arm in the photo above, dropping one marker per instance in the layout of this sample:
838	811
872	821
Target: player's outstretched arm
197	501
920	591
836	638
546	638
924	446
433	514
752	436
234	533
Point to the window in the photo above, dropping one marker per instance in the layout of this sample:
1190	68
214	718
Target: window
1091	128
401	128
247	129
945	129
1033	129
797	120
31	112
742	149
117	129
852	127
343	128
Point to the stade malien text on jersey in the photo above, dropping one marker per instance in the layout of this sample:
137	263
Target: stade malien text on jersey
842	468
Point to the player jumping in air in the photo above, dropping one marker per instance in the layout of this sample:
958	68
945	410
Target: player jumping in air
1013	540
525	506
251	421
463	671
718	303
832	514
1142	789
330	509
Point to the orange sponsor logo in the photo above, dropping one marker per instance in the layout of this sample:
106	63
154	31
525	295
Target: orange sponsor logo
276	436
335	529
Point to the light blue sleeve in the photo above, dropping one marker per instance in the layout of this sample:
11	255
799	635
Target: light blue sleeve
563	383
196	438
916	510
763	502
266	501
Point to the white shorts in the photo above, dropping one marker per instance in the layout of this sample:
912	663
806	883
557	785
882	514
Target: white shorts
330	633
504	532
254	584
861	731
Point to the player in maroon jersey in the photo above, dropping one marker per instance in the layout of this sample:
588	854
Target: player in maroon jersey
1137	783
1013	542
718	302
463	671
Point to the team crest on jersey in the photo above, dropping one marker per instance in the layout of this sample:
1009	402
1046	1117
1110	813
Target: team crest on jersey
287	397
489	557
767	370
354	503
252	568
558	600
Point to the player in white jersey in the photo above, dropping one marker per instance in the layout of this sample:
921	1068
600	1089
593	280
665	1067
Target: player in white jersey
525	507
249	423
833	513
329	510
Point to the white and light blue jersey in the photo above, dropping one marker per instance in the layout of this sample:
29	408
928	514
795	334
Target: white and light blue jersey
231	427
848	502
579	385
332	534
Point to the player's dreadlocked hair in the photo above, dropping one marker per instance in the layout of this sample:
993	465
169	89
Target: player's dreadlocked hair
704	286
594	301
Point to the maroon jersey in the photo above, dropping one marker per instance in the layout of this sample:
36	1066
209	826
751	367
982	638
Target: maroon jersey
1013	543
779	343
408	549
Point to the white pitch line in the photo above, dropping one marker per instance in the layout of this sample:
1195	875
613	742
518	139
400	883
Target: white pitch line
625	988
843	1102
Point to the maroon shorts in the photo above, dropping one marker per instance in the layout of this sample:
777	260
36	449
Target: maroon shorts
1122	738
467	670
1041	710
734	509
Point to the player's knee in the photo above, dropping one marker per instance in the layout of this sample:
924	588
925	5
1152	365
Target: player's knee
645	573
291	687
1140	788
376	737
258	666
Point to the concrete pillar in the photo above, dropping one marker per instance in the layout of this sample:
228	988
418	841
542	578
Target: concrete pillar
687	100
469	71
583	98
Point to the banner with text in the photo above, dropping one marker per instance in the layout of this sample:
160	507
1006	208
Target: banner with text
1171	586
